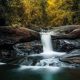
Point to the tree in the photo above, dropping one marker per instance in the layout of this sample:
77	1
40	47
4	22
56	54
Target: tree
3	13
60	12
14	7
32	11
43	13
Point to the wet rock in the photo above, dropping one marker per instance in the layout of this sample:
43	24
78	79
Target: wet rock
75	52
6	54
28	48
73	57
9	36
65	45
66	38
54	61
68	32
72	60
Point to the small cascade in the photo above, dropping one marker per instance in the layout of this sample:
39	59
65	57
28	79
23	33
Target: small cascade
48	51
45	55
47	46
46	41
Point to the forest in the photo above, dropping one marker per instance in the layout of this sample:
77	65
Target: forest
39	39
37	14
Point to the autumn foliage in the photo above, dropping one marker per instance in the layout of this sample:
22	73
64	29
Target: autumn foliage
43	13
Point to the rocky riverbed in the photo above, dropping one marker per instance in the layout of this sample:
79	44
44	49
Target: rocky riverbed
9	36
28	42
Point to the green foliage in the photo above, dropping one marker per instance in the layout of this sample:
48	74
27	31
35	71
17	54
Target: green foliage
62	12
43	13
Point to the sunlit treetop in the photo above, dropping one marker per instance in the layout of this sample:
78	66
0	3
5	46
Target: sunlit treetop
49	12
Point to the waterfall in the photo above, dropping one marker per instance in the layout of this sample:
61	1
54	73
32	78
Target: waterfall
46	41
47	46
48	51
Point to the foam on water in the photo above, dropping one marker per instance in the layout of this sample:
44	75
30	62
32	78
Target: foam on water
2	63
47	45
35	68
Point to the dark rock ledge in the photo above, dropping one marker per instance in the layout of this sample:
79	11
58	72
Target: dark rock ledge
9	36
66	32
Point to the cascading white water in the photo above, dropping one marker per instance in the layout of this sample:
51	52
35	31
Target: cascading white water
46	41
48	51
47	46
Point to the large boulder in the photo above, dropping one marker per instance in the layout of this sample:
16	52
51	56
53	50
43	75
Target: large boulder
65	44
72	58
68	32
66	38
10	35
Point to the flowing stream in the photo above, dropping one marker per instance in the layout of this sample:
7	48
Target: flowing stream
46	56
47	46
48	51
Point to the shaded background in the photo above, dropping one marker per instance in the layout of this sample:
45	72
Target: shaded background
36	14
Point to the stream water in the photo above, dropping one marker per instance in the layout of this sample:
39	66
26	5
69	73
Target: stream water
47	56
47	46
48	51
42	70
15	72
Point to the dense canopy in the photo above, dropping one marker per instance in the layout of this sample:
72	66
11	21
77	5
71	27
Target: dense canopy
43	13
